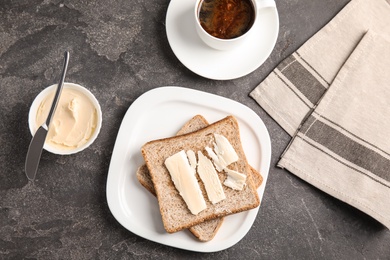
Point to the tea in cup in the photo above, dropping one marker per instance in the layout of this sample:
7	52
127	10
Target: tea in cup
224	24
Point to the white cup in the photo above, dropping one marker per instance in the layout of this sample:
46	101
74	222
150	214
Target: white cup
228	44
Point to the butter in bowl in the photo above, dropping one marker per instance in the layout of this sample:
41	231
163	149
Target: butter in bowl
76	122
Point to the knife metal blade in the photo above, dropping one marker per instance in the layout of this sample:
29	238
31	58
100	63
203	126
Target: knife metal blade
38	140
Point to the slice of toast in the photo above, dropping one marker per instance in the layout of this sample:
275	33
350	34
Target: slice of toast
204	231
174	211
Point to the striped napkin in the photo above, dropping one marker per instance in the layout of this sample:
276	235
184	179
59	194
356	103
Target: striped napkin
333	96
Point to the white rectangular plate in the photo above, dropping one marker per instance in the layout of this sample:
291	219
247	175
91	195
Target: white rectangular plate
160	113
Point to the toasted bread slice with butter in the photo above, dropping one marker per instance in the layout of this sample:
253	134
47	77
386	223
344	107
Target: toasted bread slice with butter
207	230
174	211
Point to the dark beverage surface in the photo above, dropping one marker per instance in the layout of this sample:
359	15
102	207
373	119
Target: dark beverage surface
226	19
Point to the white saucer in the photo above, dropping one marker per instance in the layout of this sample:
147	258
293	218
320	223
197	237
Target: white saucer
214	64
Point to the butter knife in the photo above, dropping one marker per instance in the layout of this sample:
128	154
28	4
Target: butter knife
38	140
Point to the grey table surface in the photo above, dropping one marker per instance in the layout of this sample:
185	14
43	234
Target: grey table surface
119	50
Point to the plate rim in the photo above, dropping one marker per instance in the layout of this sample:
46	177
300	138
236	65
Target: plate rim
113	195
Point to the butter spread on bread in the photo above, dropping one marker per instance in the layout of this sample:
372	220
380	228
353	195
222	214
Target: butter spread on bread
224	150
192	158
234	180
223	154
183	176
209	177
206	230
174	212
182	165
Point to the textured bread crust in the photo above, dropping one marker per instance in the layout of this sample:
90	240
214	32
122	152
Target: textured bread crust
174	211
194	124
144	178
256	177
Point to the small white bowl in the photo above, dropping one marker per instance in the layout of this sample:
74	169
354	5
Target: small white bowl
35	105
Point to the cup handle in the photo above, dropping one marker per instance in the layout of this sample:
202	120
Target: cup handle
265	3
